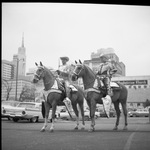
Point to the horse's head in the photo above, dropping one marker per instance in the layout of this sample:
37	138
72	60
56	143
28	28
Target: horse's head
40	72
78	71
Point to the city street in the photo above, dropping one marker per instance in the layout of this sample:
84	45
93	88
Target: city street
25	135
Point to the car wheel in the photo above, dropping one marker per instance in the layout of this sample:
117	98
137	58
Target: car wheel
15	119
86	118
34	119
96	116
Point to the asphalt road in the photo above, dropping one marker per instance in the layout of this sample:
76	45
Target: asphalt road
27	136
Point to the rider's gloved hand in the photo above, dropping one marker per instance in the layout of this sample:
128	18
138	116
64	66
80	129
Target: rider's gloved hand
58	72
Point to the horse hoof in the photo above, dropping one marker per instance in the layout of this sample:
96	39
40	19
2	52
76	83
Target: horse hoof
51	130
42	130
91	130
76	128
115	128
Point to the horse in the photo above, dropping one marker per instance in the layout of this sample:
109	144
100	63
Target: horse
93	96
56	96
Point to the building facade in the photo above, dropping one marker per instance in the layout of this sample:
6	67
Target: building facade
21	83
8	70
138	89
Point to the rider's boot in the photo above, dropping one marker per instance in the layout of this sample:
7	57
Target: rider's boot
107	100
67	102
68	105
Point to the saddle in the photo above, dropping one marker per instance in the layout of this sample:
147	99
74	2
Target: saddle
98	84
61	86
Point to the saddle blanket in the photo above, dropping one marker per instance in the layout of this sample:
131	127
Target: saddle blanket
56	89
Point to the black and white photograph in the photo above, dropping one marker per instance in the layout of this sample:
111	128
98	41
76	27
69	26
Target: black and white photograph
75	76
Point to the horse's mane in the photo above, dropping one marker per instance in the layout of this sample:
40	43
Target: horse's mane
49	71
89	69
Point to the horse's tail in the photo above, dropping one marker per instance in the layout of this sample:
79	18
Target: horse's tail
124	91
43	109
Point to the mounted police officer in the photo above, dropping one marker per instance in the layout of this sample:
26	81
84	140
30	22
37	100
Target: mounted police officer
105	72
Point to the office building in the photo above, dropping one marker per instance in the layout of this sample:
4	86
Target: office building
8	70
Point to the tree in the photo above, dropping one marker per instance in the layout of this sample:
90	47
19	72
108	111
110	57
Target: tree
8	88
27	93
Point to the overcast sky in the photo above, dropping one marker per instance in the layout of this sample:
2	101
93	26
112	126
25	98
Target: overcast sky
76	30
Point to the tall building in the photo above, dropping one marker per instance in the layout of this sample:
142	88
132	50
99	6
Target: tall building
8	70
21	59
109	52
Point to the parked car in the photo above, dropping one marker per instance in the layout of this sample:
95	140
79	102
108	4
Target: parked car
30	111
26	111
139	113
6	106
111	114
65	115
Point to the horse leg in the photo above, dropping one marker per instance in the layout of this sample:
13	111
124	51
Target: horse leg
124	107
82	114
92	115
74	106
116	105
53	116
47	108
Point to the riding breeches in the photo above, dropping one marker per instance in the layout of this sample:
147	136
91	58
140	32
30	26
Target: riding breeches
66	87
106	82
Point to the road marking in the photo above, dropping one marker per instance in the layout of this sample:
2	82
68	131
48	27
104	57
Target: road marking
129	141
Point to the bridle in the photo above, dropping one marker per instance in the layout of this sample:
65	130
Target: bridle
77	74
38	76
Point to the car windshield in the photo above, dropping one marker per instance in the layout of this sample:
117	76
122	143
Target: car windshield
10	103
26	105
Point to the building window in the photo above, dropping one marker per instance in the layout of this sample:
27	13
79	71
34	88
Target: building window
138	104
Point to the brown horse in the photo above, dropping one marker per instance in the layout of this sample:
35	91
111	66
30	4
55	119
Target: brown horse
56	96
94	96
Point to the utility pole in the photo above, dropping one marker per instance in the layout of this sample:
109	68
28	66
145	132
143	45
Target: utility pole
17	77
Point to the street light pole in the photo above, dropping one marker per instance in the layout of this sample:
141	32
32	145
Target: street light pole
17	77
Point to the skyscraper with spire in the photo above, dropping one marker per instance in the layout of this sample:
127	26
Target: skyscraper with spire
21	58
